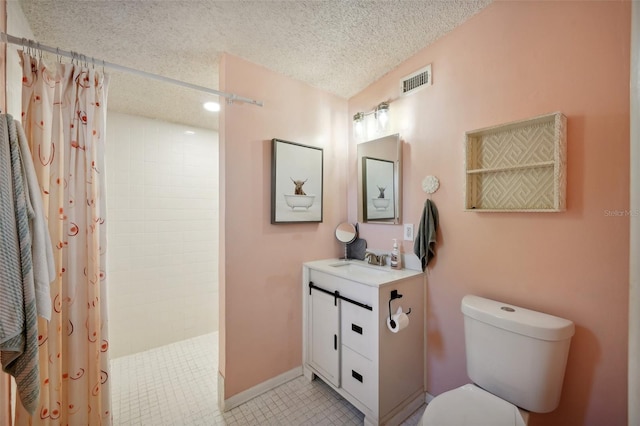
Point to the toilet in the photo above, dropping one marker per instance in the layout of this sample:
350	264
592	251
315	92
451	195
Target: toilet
516	359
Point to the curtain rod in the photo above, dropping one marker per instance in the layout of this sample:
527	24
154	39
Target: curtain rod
7	38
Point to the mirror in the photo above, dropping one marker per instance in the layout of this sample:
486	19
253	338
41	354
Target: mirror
380	180
346	233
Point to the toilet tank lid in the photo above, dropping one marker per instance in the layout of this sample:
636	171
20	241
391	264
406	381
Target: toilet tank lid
518	320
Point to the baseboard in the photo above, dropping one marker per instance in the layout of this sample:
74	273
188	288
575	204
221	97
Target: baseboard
406	411
220	391
259	389
428	398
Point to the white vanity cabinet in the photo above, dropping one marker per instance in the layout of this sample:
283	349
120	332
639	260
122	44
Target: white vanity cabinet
346	341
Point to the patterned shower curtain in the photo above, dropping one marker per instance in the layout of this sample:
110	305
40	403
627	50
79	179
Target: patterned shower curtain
64	114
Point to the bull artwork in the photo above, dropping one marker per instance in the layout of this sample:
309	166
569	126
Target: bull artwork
298	184
381	189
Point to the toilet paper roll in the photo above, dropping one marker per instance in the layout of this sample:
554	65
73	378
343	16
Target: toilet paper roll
400	322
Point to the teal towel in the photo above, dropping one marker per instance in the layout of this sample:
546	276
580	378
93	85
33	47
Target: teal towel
425	244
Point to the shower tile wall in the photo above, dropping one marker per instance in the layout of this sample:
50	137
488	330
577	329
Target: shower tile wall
162	195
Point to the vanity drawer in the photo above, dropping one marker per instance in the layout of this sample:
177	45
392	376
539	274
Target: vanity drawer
358	329
359	378
324	280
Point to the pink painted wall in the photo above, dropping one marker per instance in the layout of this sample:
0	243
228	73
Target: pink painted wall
516	60
260	263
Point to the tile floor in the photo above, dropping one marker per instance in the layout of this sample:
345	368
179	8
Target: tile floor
177	385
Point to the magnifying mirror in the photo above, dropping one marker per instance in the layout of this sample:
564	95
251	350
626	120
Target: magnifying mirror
346	233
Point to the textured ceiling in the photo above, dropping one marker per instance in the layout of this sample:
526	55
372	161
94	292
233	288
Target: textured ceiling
338	46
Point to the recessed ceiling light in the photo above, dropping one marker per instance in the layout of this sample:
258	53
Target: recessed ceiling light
211	106
189	132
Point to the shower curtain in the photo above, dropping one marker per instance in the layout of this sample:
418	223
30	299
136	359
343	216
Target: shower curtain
64	114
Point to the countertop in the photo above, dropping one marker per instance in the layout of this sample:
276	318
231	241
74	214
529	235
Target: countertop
361	271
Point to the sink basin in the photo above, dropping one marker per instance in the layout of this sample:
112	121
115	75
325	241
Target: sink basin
355	269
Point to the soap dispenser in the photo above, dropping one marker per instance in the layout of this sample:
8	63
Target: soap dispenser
396	262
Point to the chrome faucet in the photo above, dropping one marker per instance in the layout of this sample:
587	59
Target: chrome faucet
374	259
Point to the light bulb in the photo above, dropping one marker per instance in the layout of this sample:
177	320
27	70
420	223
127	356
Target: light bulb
358	126
382	114
383	117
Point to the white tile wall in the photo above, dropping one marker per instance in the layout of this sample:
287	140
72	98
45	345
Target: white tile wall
162	205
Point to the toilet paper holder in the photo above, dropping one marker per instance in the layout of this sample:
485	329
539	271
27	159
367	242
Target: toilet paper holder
395	295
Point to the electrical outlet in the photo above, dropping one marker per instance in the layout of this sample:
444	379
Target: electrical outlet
408	232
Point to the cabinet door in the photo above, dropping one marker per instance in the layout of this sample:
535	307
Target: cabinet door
324	336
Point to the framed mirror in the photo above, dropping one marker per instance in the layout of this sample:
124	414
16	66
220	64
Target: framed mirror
380	180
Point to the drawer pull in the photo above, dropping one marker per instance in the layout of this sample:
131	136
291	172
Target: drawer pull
335	342
356	376
356	328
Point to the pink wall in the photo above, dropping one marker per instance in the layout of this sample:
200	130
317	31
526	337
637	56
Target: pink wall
516	60
260	263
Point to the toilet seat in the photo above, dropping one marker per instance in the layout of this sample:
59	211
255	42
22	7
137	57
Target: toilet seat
473	406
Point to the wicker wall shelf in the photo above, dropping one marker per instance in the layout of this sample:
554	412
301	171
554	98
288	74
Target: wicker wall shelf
517	167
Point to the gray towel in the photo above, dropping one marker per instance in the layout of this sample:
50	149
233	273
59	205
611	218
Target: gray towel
425	245
18	317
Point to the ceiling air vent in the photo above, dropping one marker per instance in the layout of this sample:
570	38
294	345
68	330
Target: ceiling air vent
416	81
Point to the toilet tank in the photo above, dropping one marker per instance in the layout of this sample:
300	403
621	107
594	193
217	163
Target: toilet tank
515	353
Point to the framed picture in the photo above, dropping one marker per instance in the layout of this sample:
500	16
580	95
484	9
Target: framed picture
296	182
378	188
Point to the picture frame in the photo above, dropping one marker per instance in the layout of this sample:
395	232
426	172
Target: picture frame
296	182
379	188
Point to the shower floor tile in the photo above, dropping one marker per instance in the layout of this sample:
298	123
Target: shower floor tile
177	385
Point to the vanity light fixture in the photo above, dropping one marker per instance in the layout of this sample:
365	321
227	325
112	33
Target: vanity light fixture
381	113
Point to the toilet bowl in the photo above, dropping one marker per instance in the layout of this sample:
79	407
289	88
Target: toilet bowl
470	405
